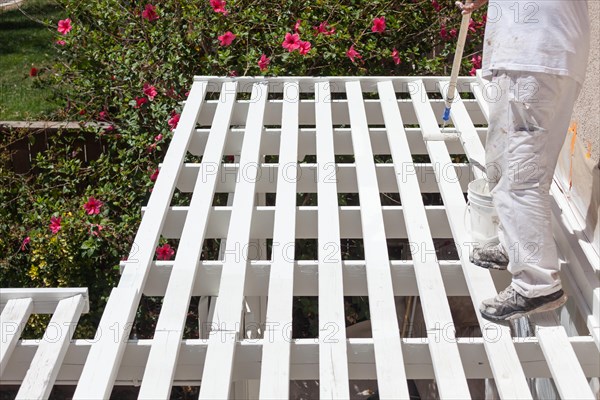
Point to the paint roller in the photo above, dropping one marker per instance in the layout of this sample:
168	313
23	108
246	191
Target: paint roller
460	46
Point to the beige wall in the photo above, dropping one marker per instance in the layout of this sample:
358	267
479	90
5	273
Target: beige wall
587	109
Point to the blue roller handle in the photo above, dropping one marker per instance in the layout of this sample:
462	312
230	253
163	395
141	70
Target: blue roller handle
446	115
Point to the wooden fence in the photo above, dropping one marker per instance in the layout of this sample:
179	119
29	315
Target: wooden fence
38	139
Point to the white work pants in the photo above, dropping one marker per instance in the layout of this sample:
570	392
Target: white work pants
529	118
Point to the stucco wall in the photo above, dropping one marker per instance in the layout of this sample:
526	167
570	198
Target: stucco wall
587	109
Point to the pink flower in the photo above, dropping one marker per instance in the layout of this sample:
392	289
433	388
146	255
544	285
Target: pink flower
476	61
352	54
149	13
218	6
263	62
291	41
233	72
140	101
227	38
158	137
444	33
92	206
322	28
304	47
165	252
436	5
378	25
297	25
95	229
453	32
473	71
154	175
174	120
64	26
103	115
395	56
25	243
55	224
150	91
61	42
472	26
33	72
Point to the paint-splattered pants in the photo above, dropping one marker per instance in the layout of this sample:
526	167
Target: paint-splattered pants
529	118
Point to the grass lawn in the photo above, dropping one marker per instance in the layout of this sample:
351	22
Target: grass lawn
26	43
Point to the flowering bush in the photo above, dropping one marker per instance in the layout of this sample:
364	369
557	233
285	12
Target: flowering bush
129	65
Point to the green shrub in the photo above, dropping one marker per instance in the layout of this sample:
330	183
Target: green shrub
114	51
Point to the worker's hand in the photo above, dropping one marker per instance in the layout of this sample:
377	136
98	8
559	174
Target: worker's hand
468	7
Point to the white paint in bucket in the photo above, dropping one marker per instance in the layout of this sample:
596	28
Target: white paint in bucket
484	220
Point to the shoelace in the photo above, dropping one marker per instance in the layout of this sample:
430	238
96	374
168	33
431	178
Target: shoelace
508	293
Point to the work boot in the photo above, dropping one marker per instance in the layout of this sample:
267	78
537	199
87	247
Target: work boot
490	257
509	304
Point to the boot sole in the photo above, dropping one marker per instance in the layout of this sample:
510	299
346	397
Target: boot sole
488	264
553	305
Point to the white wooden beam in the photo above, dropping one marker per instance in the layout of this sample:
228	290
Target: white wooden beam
333	358
508	373
307	182
44	300
171	322
566	371
342	140
450	377
468	134
579	271
48	359
216	378
275	365
14	316
304	359
98	375
306	278
306	217
390	365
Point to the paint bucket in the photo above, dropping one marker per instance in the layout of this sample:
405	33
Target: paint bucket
483	217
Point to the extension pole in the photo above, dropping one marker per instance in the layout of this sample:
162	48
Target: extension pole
460	46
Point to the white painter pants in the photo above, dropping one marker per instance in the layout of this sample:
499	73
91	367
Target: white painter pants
529	118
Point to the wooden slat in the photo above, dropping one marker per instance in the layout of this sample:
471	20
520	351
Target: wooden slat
44	300
304	359
468	134
508	373
306	227
336	83
306	278
216	378
388	351
12	322
162	362
483	93
333	359
275	366
342	139
99	373
46	363
450	377
565	368
307	182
